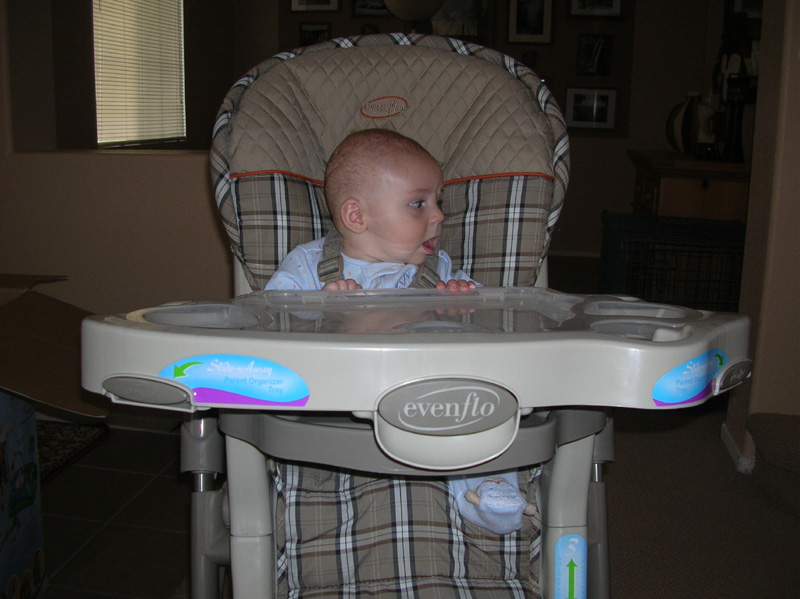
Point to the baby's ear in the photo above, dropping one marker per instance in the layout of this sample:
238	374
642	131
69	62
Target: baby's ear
351	215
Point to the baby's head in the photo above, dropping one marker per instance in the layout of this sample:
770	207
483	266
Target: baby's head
383	192
361	158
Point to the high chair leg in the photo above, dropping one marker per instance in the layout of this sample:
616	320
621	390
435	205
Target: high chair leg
203	454
598	570
564	496
252	542
599	581
210	550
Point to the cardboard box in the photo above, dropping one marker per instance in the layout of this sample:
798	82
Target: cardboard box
40	371
40	350
22	565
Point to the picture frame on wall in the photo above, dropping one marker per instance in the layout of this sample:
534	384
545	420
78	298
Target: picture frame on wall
591	108
594	54
530	21
750	10
314	5
370	8
314	33
595	8
461	19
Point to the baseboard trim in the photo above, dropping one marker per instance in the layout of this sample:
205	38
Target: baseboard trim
744	464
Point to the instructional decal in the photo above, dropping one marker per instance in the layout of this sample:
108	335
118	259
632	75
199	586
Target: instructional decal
691	381
570	567
219	380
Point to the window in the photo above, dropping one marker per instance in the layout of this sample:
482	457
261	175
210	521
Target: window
139	77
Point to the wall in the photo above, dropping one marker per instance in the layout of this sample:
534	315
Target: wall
771	274
130	229
342	22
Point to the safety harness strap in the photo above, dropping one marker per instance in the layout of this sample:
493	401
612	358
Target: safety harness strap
330	266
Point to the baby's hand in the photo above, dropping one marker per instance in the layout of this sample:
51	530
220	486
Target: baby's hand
456	285
459	286
341	284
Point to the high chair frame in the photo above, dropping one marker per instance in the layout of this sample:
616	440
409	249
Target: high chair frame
573	442
502	142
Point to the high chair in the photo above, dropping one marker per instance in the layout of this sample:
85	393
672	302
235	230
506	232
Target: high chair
333	489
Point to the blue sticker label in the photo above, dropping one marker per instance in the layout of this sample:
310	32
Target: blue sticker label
231	380
570	568
690	382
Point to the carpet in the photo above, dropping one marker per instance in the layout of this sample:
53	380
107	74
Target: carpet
62	443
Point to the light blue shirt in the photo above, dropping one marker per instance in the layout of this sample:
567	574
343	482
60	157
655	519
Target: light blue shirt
299	270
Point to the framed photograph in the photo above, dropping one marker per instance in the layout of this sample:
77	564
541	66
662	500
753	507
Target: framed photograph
591	108
314	33
312	5
370	8
595	8
752	8
460	19
530	21
748	11
594	54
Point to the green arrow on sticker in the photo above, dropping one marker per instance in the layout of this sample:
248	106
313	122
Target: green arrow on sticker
180	371
571	565
720	358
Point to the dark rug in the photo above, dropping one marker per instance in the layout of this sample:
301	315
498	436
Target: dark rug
62	443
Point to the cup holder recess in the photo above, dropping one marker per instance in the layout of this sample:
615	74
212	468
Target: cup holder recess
638	310
206	316
640	329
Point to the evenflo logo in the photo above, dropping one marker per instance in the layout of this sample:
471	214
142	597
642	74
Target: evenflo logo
448	407
383	108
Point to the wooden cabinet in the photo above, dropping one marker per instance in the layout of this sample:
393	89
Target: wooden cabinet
674	185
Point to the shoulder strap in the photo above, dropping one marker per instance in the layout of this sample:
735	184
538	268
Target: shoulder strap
330	265
426	277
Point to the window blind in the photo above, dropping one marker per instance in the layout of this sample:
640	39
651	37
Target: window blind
138	62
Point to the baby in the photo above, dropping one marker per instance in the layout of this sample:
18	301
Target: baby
384	193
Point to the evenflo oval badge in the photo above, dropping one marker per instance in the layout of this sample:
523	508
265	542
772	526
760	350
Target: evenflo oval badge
449	406
383	108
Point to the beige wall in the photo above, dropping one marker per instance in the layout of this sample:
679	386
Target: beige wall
670	58
771	277
129	229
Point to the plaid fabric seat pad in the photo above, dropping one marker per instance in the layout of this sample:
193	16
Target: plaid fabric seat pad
500	120
495	228
272	214
342	534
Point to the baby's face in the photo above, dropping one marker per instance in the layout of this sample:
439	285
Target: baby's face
402	213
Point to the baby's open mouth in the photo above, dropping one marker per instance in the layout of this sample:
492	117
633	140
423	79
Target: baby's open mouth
430	246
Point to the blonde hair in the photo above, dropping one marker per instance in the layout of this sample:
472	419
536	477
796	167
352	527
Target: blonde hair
355	160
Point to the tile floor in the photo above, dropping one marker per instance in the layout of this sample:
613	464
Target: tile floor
116	522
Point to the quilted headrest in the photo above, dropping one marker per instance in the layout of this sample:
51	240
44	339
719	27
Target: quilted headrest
478	112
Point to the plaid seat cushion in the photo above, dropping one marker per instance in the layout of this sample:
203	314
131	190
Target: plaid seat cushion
489	120
341	534
495	228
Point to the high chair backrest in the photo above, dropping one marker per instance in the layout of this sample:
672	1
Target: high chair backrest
489	120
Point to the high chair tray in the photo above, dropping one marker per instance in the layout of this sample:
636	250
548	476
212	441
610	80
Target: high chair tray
440	355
